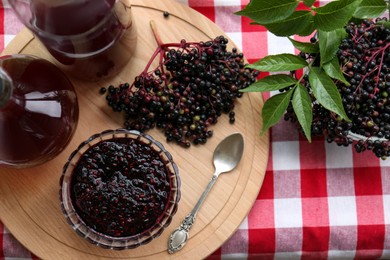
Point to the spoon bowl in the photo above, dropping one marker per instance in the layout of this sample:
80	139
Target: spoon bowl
228	153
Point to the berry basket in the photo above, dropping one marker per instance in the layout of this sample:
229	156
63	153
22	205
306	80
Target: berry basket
120	189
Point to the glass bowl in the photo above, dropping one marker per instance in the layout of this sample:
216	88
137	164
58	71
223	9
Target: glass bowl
86	221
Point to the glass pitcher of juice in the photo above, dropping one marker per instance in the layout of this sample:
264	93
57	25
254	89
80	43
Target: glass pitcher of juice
38	111
90	39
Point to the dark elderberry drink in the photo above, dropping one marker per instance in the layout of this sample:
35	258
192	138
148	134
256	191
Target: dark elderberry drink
120	189
91	39
39	118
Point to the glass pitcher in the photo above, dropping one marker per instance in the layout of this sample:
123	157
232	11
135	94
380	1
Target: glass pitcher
90	39
38	111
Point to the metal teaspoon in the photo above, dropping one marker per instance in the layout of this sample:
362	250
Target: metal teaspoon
226	156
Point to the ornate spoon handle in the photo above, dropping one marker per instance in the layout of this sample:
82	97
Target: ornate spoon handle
179	237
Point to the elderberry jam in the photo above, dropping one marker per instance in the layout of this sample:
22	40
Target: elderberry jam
121	187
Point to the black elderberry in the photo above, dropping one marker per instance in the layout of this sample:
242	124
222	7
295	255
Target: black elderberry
193	85
102	90
364	56
166	14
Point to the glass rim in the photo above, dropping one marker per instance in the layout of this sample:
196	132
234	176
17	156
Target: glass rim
59	37
6	87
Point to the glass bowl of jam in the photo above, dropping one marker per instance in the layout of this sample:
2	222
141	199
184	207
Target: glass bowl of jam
120	189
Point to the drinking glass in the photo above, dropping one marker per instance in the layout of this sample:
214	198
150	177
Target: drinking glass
38	111
90	39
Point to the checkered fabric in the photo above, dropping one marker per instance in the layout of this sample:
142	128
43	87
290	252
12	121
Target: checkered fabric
318	200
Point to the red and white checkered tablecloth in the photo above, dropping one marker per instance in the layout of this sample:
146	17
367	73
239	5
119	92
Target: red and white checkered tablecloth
317	201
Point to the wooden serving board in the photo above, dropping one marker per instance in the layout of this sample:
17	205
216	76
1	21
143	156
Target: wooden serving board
29	203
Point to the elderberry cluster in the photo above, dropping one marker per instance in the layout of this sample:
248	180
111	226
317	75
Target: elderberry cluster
194	83
365	59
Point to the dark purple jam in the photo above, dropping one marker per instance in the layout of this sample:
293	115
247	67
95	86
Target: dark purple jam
120	187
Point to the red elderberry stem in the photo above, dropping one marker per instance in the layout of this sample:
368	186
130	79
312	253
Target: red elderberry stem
364	77
380	68
371	27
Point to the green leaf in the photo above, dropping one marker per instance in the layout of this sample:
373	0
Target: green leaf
385	23
309	29
270	83
301	103
335	14
329	43
266	12
296	23
279	62
309	3
332	68
325	91
306	47
274	109
370	9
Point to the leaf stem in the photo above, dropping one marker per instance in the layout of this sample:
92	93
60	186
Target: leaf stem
310	67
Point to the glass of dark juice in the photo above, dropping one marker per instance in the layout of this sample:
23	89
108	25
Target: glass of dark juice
90	39
38	111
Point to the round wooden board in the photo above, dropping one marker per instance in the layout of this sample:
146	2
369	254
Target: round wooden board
29	204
